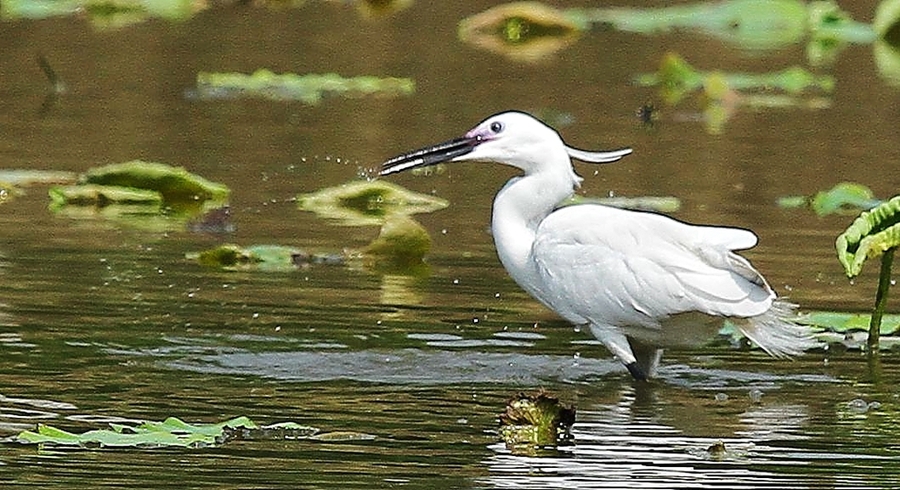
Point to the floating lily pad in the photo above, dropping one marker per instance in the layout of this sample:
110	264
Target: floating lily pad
262	257
676	77
841	322
172	432
105	195
843	197
366	203
175	184
102	13
535	421
523	31
290	86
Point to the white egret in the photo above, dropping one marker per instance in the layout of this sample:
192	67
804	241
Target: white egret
640	281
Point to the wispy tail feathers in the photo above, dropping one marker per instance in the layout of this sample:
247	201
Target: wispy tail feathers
777	332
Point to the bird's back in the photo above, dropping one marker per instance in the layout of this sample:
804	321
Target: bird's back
627	268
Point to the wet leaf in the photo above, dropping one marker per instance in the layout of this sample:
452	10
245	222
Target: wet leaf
289	86
102	13
523	31
676	78
874	232
363	203
842	322
175	184
170	432
845	196
148	201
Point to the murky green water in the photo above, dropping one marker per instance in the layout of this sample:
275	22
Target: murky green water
104	320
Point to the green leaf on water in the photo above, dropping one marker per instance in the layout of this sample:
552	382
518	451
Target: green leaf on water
843	322
309	88
105	195
175	184
845	196
171	432
365	203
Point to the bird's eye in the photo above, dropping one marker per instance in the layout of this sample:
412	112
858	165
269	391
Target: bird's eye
496	127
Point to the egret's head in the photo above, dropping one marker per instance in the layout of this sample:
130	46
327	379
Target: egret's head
511	138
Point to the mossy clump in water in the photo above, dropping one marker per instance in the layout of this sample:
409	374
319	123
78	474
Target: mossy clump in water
401	244
365	203
533	422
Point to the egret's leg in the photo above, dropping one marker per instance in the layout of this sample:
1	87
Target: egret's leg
647	356
617	343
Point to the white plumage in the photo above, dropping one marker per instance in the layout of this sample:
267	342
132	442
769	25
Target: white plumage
640	281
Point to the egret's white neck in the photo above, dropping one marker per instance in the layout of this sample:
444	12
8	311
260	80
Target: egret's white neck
519	208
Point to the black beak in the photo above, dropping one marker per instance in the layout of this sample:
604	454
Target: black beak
429	156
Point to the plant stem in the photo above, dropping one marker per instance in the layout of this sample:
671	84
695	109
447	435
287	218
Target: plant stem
884	284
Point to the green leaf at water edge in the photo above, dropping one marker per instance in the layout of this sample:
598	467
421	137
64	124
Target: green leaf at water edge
843	322
171	432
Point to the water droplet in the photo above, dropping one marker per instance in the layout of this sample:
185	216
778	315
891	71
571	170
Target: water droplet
755	395
858	405
721	397
577	329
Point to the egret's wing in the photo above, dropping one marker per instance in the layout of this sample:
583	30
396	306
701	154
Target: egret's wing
627	267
